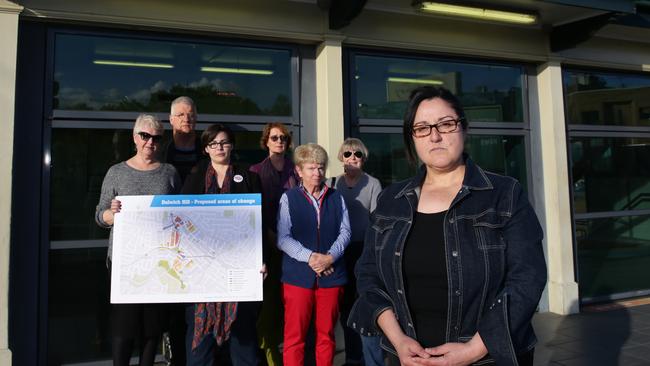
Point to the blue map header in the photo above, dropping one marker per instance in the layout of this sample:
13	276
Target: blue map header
204	200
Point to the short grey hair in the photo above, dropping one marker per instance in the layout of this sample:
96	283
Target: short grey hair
184	100
310	153
147	120
353	144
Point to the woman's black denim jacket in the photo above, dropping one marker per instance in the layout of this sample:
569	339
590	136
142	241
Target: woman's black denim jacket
495	263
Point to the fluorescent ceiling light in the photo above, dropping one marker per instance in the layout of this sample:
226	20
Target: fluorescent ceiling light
230	70
133	64
478	13
414	81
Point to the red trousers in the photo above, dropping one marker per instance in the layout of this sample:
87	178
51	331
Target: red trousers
299	304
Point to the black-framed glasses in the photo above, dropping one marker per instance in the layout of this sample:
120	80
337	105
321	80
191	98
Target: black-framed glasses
223	144
446	126
147	136
357	153
275	138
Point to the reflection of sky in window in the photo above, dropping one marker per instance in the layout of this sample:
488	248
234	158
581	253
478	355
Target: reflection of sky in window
81	82
372	74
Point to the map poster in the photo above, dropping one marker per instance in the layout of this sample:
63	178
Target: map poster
187	248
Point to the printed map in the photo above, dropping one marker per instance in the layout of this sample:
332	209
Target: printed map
201	248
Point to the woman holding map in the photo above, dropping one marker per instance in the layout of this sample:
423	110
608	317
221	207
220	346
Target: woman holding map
209	325
142	174
313	232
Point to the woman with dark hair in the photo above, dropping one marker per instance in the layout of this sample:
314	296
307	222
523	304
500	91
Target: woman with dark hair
277	174
453	267
210	324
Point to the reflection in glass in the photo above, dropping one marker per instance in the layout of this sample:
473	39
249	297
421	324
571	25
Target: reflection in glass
599	98
496	153
120	74
80	159
489	93
387	158
79	306
499	154
610	174
613	253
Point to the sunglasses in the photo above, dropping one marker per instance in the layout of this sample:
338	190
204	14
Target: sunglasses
282	138
357	153
146	136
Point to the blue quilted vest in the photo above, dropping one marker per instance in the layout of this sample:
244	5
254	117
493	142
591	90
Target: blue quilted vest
304	228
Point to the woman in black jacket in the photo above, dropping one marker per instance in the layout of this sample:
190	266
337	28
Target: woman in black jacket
210	324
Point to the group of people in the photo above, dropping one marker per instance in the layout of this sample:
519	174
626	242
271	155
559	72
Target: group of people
445	268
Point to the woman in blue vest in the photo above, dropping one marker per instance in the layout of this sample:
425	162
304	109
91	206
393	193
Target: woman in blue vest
313	231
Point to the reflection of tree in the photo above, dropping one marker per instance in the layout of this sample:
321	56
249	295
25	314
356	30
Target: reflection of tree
208	98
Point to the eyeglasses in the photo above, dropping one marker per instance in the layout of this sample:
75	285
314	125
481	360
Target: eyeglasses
188	116
357	153
275	138
446	126
147	136
223	144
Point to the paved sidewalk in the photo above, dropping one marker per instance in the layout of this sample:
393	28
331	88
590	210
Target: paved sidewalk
608	335
615	334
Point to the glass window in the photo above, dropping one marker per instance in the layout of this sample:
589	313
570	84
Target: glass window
610	174
101	73
499	154
387	161
488	92
612	99
612	253
80	159
79	306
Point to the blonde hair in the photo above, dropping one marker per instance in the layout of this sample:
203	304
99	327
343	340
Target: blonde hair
147	120
353	144
310	153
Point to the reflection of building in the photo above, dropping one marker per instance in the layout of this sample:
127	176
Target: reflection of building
76	74
619	106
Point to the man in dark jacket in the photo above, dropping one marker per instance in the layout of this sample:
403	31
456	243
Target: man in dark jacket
184	149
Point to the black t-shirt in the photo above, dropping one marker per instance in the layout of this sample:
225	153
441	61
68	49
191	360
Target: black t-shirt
425	277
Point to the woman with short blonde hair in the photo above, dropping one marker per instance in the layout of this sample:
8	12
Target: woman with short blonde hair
313	232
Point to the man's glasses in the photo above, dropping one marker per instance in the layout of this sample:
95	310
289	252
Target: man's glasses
147	136
282	138
357	153
223	144
188	116
446	126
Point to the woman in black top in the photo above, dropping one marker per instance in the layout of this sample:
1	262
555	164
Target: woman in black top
452	267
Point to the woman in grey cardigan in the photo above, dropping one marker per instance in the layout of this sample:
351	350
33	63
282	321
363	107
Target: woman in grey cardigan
142	174
360	191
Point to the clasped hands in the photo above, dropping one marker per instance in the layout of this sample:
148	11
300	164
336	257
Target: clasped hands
411	353
321	263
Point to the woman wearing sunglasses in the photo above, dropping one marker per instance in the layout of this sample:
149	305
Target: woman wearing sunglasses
360	191
277	174
142	174
209	325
